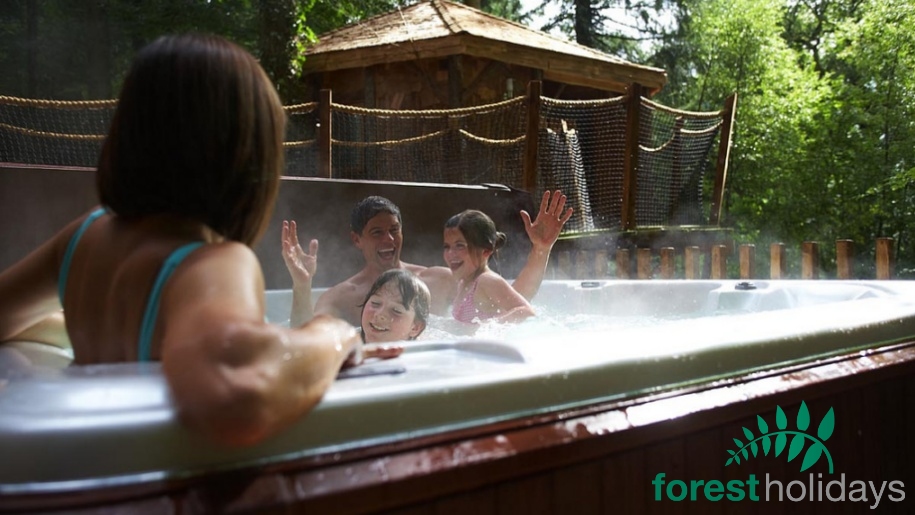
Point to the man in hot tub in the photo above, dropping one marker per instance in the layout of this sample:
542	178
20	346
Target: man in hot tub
376	230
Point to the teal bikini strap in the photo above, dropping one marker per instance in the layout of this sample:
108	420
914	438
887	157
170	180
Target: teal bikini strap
71	247
152	304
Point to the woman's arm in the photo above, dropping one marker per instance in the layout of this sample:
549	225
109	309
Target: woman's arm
51	330
28	289
233	377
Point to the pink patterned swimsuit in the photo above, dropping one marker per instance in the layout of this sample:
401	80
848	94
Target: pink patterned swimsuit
465	310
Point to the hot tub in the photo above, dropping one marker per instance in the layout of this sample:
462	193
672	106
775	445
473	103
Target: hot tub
93	428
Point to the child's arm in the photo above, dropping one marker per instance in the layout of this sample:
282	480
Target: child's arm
302	266
543	234
504	299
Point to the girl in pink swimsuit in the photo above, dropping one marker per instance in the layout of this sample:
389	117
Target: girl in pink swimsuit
470	239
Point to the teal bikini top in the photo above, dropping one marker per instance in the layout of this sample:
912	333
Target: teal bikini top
152	303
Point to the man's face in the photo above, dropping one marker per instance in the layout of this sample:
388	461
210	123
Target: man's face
380	241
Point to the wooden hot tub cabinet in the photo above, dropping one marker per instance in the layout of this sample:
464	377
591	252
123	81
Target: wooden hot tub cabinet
597	459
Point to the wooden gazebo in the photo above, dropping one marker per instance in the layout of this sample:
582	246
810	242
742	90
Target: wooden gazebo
439	54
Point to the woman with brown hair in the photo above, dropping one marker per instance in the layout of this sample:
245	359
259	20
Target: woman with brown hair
164	270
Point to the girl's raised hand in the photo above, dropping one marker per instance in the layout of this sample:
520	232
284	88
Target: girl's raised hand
544	231
301	265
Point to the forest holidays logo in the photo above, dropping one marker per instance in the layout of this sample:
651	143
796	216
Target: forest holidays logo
799	438
786	441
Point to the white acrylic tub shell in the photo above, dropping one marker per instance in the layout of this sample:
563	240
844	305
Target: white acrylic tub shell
85	427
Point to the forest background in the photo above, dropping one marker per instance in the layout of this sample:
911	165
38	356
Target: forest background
824	146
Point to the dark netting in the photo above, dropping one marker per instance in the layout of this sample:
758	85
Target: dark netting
53	133
301	137
581	152
581	148
463	146
71	133
673	164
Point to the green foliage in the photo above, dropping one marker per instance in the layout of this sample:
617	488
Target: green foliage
824	144
81	50
824	147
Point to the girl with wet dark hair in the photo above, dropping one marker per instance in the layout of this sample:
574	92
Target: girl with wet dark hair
471	239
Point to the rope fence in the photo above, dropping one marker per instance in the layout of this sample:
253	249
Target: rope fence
625	162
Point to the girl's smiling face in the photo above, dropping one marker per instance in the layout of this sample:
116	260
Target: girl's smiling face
463	261
386	319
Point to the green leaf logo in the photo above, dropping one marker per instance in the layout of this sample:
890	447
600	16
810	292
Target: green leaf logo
798	438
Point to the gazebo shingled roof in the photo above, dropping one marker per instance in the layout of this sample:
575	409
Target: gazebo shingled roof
440	28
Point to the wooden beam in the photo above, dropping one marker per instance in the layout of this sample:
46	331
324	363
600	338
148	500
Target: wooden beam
325	134
532	138
724	150
368	87
578	70
631	156
455	82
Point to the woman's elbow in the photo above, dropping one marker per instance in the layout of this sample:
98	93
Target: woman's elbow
229	390
239	417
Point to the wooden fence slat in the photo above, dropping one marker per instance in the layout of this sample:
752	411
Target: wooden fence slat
565	264
587	263
845	259
810	260
668	262
643	262
622	263
886	259
719	262
747	261
583	262
601	267
691	262
778	265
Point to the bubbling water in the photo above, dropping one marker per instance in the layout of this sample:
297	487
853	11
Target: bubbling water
548	322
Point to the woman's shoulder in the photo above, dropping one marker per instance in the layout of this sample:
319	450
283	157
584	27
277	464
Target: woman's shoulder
215	261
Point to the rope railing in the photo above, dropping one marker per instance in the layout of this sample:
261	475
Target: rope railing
587	148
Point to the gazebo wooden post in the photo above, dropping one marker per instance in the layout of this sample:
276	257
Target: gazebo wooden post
532	140
724	150
324	134
631	155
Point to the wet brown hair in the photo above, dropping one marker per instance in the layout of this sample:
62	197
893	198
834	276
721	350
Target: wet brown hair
478	229
198	133
413	291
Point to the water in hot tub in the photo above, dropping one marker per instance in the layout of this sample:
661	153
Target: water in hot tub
549	321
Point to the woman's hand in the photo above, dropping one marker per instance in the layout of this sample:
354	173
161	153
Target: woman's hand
301	265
